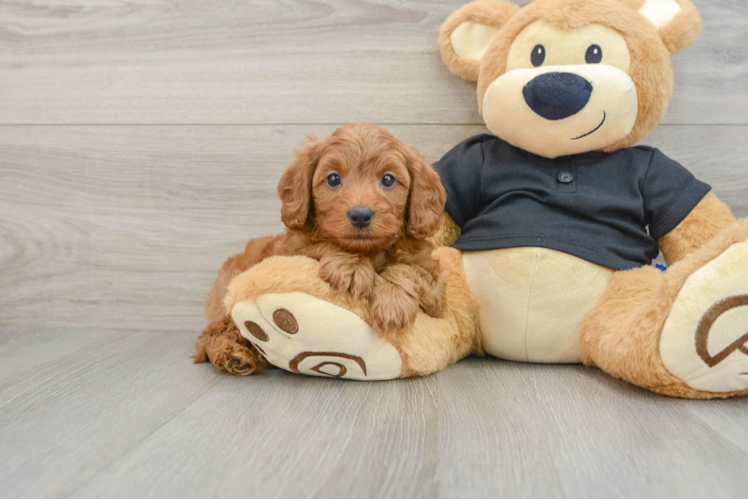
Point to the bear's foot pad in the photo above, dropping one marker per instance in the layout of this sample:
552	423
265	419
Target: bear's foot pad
303	334
705	339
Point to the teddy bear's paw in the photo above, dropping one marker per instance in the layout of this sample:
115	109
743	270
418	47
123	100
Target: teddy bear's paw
303	334
705	339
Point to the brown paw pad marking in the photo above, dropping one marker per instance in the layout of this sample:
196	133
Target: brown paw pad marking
294	364
256	331
341	369
286	321
705	325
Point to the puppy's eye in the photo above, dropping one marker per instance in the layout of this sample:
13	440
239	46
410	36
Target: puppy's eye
538	55
388	180
594	54
333	180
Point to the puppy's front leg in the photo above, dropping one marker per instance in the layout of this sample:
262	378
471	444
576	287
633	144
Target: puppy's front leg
431	291
348	272
395	299
425	274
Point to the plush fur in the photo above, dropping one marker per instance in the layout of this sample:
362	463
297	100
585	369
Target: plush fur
449	232
709	218
649	48
255	251
433	343
621	334
429	345
488	12
386	265
683	30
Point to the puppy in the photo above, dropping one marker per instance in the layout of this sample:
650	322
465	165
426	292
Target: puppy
362	203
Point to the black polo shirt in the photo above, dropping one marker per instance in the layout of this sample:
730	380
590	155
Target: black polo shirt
596	206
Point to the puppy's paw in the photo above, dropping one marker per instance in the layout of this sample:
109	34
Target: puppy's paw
222	344
236	359
348	274
393	309
434	297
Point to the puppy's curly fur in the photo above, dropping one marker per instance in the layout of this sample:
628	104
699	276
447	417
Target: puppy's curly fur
385	260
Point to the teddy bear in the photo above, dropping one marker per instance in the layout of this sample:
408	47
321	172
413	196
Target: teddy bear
552	220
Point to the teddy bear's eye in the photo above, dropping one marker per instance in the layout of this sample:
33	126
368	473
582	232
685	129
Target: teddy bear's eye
594	54
538	55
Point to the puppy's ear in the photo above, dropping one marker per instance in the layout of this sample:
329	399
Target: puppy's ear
466	34
295	187
427	196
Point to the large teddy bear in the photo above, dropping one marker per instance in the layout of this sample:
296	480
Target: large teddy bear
554	220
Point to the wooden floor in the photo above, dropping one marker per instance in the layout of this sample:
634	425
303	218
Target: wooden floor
140	145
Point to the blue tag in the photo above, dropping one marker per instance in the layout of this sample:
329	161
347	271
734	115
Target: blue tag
659	265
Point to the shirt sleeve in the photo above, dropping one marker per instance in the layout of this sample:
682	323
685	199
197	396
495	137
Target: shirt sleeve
670	193
460	173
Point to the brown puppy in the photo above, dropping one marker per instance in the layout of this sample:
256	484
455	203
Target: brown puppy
363	204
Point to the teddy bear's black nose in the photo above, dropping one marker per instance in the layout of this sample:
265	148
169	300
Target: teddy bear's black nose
556	96
360	216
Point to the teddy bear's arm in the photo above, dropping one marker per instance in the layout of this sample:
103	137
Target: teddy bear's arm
448	233
708	218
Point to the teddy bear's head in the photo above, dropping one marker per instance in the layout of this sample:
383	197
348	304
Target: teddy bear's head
561	77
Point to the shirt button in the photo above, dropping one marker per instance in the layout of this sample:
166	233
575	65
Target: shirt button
565	177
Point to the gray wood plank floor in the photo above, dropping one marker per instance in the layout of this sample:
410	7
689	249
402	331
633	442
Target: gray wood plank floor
120	413
140	145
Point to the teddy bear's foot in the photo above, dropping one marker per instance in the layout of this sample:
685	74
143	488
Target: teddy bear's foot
705	338
304	334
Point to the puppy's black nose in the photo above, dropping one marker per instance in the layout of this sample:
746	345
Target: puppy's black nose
360	216
556	96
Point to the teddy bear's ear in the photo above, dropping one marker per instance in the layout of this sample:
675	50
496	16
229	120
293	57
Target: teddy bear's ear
466	34
677	21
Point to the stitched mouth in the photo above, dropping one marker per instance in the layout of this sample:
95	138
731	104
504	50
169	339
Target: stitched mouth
593	130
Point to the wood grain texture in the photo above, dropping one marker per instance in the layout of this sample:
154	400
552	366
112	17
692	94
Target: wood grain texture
287	61
126	226
113	413
554	431
65	420
163	128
